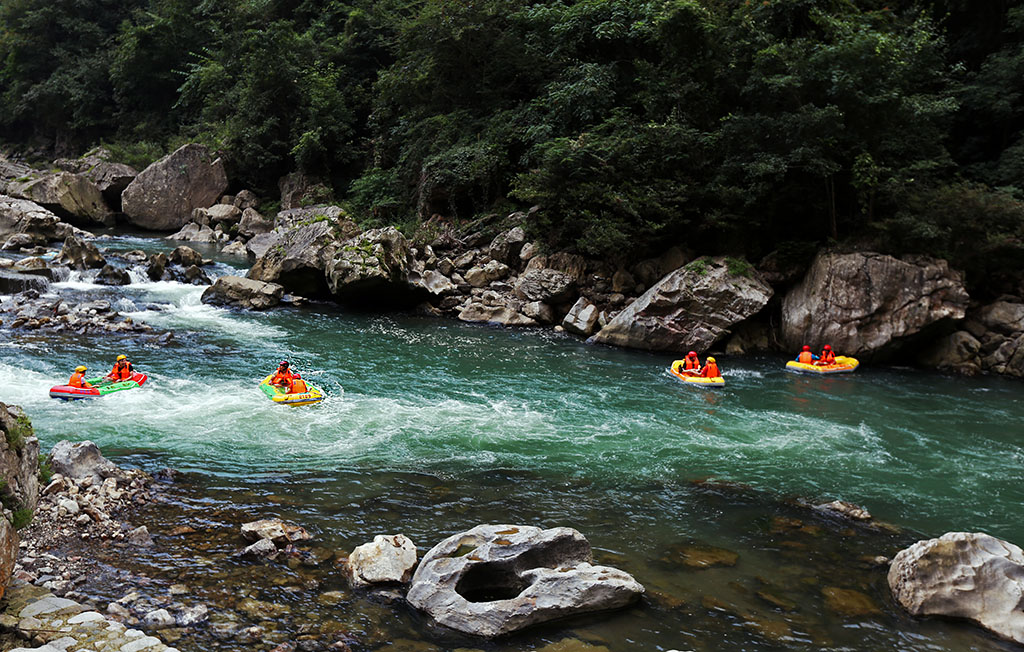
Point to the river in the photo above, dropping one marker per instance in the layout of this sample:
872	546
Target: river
432	426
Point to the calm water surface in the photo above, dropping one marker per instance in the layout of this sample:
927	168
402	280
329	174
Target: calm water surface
432	426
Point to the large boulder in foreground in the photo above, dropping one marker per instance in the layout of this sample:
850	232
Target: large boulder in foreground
164	195
71	196
373	265
496	579
388	559
865	303
965	575
243	293
691	308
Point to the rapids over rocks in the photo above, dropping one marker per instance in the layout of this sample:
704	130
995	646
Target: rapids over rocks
433	426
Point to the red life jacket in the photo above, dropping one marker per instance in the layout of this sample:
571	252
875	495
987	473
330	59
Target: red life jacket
828	357
806	357
282	378
711	370
298	387
691	363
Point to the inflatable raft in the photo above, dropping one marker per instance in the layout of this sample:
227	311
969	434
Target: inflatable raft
279	395
677	371
842	365
101	386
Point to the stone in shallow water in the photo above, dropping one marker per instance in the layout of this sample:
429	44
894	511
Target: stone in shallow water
700	556
848	602
388	558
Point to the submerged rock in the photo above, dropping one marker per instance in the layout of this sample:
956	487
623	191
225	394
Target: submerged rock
162	197
691	308
389	558
865	303
276	530
496	579
966	575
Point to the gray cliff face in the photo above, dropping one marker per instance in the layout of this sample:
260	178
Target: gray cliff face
19	471
691	308
865	303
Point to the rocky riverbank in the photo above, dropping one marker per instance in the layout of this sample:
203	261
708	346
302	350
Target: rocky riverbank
865	304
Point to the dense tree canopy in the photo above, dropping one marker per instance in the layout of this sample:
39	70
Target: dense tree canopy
729	125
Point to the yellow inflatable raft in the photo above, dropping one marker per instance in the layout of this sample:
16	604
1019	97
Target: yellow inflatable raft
842	365
688	377
279	395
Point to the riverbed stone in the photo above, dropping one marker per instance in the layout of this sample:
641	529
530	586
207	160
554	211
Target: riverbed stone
496	579
963	575
193	232
547	285
276	530
867	303
158	619
111	275
24	218
372	264
389	558
581	318
691	308
162	197
185	256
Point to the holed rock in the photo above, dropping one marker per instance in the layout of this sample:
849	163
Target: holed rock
865	303
691	308
80	255
243	292
69	195
964	575
496	579
163	196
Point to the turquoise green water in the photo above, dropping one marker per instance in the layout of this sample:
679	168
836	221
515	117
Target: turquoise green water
543	428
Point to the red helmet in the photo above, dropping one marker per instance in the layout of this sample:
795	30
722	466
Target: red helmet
284	363
806	348
296	375
828	348
691	353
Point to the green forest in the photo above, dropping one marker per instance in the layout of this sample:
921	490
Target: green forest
734	126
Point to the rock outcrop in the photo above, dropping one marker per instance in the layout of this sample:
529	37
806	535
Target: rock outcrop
388	559
964	575
19	466
110	178
496	579
999	328
163	196
252	223
866	303
68	195
691	308
299	257
373	264
20	217
547	285
243	293
581	318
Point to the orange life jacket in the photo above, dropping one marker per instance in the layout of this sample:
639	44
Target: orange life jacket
121	371
828	357
78	380
298	387
282	378
691	363
806	357
711	370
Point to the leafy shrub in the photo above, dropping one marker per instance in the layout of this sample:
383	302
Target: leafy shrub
45	472
21	517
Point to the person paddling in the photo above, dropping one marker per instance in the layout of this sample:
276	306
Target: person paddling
78	378
828	357
691	364
806	357
122	369
710	369
283	377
